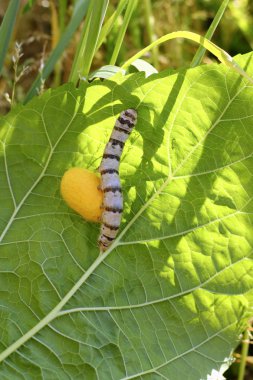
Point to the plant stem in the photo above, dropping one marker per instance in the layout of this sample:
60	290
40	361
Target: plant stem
244	354
55	40
221	54
62	14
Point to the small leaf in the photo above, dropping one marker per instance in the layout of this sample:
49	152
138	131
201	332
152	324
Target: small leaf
142	65
105	72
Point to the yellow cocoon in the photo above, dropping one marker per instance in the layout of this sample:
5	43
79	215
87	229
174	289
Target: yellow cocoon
79	189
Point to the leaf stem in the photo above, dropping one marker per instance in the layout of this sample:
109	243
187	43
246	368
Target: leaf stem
221	54
245	349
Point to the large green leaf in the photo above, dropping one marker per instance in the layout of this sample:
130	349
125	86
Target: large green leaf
171	297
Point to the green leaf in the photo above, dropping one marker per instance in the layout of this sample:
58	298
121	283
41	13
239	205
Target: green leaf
106	72
171	296
28	5
144	66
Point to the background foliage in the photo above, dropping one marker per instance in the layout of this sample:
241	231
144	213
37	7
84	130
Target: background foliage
39	27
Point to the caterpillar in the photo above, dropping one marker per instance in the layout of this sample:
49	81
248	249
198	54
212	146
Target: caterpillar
110	181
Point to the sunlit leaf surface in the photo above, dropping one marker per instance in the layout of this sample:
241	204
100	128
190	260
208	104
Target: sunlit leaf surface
172	296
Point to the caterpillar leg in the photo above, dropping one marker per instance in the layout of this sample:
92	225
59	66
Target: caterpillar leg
103	245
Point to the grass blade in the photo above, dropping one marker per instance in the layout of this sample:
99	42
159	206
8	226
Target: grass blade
201	50
77	17
62	14
107	27
149	21
6	29
89	40
129	11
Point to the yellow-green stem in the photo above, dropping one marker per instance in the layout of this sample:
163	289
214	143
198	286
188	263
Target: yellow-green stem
244	354
221	54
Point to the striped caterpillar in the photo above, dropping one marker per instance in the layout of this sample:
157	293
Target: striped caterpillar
110	181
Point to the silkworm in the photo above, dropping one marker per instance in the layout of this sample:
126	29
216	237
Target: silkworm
110	181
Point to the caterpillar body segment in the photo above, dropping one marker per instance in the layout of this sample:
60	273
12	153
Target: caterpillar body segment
110	180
